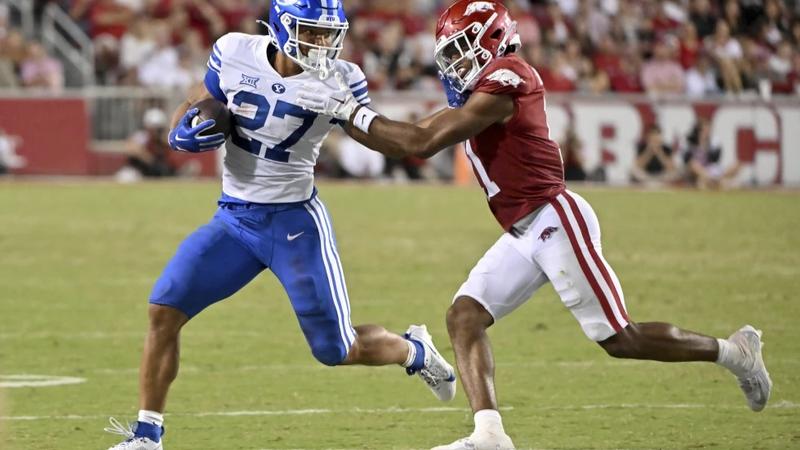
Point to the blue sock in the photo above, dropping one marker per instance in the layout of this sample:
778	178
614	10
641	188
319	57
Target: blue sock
148	430
419	358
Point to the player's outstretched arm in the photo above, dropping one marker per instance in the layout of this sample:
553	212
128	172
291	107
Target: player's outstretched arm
400	139
425	122
446	128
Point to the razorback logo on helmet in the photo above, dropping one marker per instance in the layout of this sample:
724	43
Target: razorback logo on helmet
474	7
506	77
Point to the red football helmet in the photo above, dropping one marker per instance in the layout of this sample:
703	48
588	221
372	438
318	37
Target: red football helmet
470	33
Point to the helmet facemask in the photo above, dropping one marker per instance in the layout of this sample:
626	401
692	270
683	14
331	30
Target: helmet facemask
461	59
314	44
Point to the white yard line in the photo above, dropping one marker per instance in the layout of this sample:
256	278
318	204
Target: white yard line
780	404
27	380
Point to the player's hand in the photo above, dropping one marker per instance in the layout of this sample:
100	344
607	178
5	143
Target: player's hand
186	138
455	99
338	104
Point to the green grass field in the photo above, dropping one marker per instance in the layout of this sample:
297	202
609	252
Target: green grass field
77	261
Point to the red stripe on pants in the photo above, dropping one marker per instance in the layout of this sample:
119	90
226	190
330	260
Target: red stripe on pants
595	256
587	272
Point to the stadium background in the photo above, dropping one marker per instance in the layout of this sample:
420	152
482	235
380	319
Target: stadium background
82	82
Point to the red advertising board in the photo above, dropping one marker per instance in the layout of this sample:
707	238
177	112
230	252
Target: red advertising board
762	136
54	139
54	134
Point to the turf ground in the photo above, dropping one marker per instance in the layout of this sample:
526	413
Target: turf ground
77	261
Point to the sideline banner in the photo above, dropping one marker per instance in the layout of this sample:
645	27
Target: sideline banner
54	134
763	136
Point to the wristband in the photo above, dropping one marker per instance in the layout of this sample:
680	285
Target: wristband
363	118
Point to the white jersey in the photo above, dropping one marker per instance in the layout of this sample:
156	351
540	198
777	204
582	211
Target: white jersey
274	144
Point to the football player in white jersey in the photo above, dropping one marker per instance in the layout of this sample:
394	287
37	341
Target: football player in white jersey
269	216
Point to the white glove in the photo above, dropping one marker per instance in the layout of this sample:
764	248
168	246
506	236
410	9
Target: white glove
338	104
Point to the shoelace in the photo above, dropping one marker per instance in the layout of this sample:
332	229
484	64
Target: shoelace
429	377
118	428
750	384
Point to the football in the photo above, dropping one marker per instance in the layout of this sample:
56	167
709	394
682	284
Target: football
212	108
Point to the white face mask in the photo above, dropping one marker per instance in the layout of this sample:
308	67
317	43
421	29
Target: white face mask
316	56
461	60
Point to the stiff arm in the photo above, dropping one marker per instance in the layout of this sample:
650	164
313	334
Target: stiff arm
443	129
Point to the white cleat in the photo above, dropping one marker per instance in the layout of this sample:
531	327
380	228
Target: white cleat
131	442
484	441
437	373
753	376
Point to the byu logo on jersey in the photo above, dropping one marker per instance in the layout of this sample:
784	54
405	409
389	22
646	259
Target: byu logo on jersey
474	7
506	77
278	88
249	81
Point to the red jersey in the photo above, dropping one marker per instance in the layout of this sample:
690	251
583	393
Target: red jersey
517	163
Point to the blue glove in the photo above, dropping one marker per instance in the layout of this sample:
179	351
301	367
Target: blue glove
186	138
454	98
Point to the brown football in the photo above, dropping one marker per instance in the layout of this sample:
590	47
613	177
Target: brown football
211	108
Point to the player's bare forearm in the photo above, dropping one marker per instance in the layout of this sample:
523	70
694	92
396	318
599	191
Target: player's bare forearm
441	130
196	93
395	139
426	122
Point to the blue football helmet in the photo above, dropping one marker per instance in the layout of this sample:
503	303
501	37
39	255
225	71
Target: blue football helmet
310	32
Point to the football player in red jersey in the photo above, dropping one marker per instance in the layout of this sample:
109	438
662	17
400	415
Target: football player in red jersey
497	105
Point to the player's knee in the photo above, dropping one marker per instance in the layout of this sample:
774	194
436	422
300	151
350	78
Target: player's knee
622	345
166	320
329	354
467	314
616	349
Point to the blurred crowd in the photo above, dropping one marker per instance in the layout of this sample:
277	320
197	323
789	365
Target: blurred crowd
25	62
693	47
695	160
661	47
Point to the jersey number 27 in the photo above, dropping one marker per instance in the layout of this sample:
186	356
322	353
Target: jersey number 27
282	109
